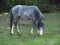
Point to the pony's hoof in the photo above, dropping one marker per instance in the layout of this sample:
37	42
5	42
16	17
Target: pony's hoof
19	34
39	35
11	34
32	35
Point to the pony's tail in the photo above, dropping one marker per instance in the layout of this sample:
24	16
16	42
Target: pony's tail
11	19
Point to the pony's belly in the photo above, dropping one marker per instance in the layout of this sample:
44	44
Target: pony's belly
25	17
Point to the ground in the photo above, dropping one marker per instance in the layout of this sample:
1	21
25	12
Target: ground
51	34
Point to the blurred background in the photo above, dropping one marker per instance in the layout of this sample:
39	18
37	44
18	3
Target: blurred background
51	12
44	5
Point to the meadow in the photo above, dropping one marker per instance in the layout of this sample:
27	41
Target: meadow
51	34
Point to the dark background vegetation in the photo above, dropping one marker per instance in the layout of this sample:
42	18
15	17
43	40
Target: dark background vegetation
44	5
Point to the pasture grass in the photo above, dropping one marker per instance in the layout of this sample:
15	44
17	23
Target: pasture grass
51	34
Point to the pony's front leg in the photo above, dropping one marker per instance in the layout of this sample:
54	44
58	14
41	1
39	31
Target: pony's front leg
33	25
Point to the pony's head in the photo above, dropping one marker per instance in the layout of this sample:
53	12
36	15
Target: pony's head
41	22
40	26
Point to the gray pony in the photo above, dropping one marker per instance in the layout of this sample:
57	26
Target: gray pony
26	12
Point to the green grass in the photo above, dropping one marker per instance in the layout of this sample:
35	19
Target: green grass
51	34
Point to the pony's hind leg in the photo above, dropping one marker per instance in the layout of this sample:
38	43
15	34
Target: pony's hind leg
11	24
17	26
31	31
18	29
12	32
